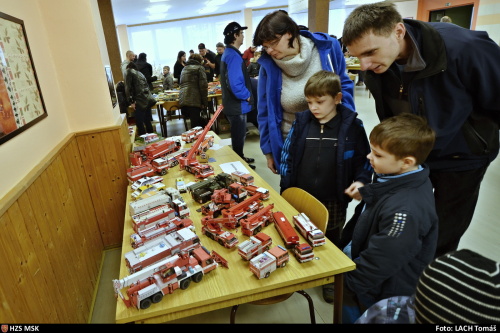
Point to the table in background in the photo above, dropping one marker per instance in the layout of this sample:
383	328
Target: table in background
214	101
225	287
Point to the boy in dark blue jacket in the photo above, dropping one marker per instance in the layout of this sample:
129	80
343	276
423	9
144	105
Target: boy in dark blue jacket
325	153
395	233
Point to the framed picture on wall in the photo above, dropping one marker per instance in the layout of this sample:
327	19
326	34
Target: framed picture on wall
21	102
111	85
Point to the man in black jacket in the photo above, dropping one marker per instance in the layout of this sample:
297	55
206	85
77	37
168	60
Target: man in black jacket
146	69
209	61
430	69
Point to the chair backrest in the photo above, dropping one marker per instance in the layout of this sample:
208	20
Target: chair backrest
304	202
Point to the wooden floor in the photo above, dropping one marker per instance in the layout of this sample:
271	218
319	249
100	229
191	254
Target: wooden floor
482	237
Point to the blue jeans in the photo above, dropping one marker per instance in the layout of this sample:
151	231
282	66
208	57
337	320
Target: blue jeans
238	132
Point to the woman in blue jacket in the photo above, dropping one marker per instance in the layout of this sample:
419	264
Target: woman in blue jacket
290	56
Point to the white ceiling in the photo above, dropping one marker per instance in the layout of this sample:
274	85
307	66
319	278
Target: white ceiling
130	12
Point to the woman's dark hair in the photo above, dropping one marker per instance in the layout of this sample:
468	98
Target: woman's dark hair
180	55
142	56
273	26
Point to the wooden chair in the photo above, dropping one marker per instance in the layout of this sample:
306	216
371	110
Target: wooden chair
303	202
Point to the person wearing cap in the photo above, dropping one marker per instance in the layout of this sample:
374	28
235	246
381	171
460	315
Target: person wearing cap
208	61
220	50
236	88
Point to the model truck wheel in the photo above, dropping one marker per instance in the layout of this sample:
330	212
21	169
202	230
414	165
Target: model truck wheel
185	283
267	275
163	172
197	277
145	303
156	298
284	263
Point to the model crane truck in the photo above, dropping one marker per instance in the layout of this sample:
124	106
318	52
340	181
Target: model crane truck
254	246
152	283
189	162
244	208
212	229
304	225
252	225
266	263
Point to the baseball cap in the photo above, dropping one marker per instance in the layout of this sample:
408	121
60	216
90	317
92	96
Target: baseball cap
233	27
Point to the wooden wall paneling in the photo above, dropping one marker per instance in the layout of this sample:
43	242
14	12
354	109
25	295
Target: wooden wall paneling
14	283
43	274
68	230
106	176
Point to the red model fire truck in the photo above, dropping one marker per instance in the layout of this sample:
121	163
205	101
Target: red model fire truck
254	246
266	263
285	229
152	283
309	230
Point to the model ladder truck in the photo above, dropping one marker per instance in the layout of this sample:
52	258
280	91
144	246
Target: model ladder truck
254	246
184	240
149	285
304	225
266	263
252	225
162	227
189	162
212	229
248	206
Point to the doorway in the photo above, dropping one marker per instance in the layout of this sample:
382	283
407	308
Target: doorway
461	15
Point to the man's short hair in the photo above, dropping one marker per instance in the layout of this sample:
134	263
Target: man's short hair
323	83
201	46
219	44
404	135
379	18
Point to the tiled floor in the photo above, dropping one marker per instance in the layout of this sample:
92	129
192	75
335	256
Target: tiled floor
481	237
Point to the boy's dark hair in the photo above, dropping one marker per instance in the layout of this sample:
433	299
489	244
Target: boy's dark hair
404	135
323	83
273	26
379	18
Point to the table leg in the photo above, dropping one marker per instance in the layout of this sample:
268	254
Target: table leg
337	300
161	118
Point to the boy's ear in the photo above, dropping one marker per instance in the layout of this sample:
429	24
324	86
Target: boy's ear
338	98
409	162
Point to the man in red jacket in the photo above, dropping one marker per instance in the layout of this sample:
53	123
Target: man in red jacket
248	54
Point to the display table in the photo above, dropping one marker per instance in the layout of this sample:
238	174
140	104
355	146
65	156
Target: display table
225	287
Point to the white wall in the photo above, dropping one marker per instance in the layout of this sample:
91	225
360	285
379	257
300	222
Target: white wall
65	43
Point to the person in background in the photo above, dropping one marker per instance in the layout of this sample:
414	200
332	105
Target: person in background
122	97
129	57
209	61
139	96
168	80
146	69
236	88
254	67
446	19
395	235
191	52
220	50
290	56
249	54
193	94
318	158
418	67
179	65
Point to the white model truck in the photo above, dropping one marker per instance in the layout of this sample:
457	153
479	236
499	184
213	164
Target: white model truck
266	263
304	225
254	246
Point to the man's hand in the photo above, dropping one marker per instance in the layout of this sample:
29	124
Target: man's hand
270	163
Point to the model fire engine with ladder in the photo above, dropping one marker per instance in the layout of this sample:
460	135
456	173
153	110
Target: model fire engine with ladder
149	285
304	225
183	240
189	162
253	224
161	227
